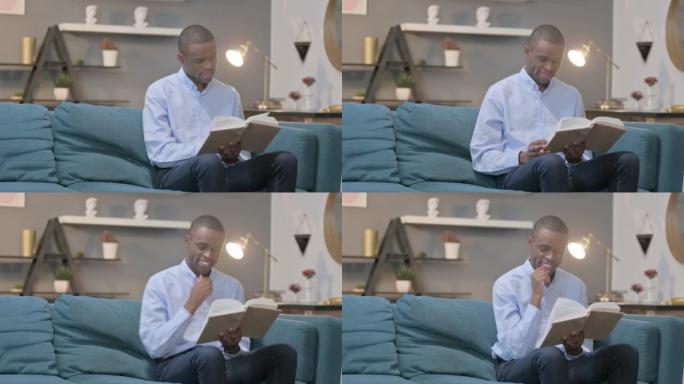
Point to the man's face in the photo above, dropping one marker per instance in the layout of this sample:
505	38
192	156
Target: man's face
204	247
199	61
547	249
542	60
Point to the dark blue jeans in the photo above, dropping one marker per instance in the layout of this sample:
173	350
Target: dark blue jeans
274	364
272	172
619	364
612	172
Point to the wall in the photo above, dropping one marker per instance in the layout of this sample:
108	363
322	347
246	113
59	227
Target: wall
486	59
287	17
144	251
286	221
629	16
487	253
628	213
144	59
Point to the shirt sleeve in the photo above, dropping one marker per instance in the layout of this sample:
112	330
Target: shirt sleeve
517	332
159	334
487	146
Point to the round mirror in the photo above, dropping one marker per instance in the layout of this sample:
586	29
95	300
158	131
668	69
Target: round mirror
332	226
675	34
333	33
673	229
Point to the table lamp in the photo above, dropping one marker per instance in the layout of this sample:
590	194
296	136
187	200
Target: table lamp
237	252
578	57
578	250
236	57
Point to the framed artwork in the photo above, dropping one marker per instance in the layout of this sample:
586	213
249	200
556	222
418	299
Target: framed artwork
355	199
13	199
354	7
12	7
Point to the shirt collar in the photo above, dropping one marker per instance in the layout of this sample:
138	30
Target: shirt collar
528	81
186	271
189	84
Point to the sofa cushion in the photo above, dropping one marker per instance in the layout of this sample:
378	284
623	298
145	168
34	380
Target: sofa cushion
644	337
32	379
328	159
373	186
108	379
94	143
445	336
373	379
103	186
433	144
26	144
671	159
99	336
30	186
368	336
449	379
645	145
440	186
304	146
368	144
26	337
299	335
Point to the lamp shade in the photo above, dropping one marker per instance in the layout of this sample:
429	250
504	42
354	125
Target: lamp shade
577	250
235	250
578	57
235	57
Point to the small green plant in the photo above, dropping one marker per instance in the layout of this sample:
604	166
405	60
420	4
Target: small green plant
405	273
79	63
404	80
18	93
360	94
360	286
63	273
63	80
79	255
18	287
421	63
421	255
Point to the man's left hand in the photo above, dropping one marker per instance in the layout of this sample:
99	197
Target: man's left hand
573	343
230	338
573	152
230	152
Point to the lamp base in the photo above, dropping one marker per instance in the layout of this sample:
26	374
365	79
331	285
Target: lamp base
262	106
613	296
603	106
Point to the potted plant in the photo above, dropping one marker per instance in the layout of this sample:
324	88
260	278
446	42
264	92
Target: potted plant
359	288
404	83
637	96
110	52
295	288
62	277
360	95
452	52
109	245
637	288
309	274
309	82
18	288
451	245
295	96
405	276
17	95
62	84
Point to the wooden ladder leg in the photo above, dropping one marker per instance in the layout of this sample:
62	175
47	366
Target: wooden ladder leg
380	66
38	65
405	54
67	258
64	56
381	258
41	253
405	245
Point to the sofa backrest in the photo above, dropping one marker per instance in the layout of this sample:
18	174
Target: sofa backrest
26	144
94	143
26	336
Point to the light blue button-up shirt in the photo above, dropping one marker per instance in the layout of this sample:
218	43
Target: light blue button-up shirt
166	327
514	113
519	324
177	117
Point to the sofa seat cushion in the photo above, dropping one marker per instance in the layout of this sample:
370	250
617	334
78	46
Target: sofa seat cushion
368	144
26	144
108	379
374	379
304	146
32	379
30	186
103	186
26	336
373	186
440	186
646	146
449	379
368	336
445	336
99	336
94	143
433	144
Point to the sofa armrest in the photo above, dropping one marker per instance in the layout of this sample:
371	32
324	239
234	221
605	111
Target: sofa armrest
304	146
671	157
643	336
329	354
299	335
671	364
645	145
329	156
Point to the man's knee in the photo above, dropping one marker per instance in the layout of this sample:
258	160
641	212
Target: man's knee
207	162
629	161
548	355
286	160
207	355
624	353
550	163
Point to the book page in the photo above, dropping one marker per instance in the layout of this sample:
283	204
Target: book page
604	133
261	302
262	118
567	123
225	306
567	131
565	315
227	122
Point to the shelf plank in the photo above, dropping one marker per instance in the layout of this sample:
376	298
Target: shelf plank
123	222
394	258
465	29
119	29
396	103
464	222
56	64
394	64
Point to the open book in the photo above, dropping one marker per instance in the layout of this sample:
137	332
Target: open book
569	316
254	317
255	133
599	134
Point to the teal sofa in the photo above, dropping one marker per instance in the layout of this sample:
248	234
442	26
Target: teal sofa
85	340
81	147
427	340
426	148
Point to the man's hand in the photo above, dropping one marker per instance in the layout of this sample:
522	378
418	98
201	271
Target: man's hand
573	152
573	343
540	277
230	153
230	339
534	149
199	292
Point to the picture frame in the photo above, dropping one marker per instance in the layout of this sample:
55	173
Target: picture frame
13	199
355	199
355	7
12	7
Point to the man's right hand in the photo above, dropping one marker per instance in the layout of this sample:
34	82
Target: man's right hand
230	152
199	292
534	149
540	277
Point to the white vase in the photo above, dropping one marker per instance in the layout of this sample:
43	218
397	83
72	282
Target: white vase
403	286
649	100
451	57
451	250
109	57
61	93
109	250
308	291
403	93
650	292
61	286
308	97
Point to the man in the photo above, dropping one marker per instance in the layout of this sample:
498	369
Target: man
175	306
523	299
519	112
177	117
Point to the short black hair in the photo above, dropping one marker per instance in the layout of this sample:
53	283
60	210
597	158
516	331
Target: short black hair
194	34
552	223
207	221
546	32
